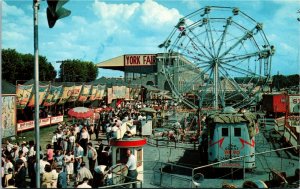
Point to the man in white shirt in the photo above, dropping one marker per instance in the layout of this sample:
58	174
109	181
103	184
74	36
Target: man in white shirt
78	154
43	163
7	164
24	149
84	184
83	172
131	166
9	146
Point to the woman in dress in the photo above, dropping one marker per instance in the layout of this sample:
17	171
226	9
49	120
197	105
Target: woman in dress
69	161
59	158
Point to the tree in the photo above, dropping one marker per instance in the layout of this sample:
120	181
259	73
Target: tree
78	71
11	65
17	66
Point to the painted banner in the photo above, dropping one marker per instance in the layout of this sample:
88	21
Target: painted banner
134	93
101	91
85	92
67	92
8	123
294	102
23	95
109	95
54	94
94	93
75	93
127	93
43	91
119	92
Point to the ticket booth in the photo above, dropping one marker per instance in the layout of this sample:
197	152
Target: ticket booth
119	148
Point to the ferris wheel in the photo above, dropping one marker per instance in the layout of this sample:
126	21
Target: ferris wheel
219	55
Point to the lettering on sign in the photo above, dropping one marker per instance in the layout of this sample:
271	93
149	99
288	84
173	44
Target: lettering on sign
140	60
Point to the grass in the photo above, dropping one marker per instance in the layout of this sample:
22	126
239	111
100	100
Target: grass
46	134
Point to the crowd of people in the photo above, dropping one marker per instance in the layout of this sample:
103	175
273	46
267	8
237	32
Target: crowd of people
71	156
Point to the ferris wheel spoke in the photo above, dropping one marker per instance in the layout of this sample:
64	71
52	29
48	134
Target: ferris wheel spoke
197	39
239	57
247	35
233	82
189	51
193	81
210	37
228	22
221	93
204	91
239	70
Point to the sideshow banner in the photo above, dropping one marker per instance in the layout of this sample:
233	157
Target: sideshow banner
43	91
94	93
54	94
67	92
127	93
119	92
134	93
85	92
23	95
294	103
109	95
8	123
75	93
101	91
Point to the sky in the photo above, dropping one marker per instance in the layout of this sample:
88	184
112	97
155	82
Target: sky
98	30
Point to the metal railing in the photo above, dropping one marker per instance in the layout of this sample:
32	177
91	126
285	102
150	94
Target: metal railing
242	159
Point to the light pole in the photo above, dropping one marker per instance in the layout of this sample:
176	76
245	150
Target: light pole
36	87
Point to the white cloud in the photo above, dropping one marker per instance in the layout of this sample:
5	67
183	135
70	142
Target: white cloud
157	16
11	10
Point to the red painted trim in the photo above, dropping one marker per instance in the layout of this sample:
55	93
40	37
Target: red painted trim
128	143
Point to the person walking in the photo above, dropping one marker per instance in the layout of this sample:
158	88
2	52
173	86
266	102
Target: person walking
92	156
84	138
69	161
62	178
20	174
82	173
99	152
78	154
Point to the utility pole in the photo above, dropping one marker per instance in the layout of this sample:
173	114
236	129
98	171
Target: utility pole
36	89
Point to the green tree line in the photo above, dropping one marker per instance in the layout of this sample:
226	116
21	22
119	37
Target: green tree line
282	81
18	66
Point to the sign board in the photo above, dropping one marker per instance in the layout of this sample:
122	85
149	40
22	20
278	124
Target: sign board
43	122
140	60
57	119
294	103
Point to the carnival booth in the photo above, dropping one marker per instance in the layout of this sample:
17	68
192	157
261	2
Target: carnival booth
135	144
